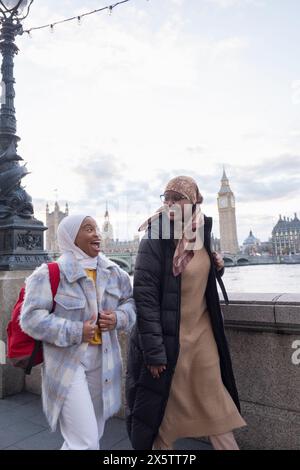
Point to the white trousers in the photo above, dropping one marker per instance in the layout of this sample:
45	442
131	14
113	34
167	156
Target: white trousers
81	419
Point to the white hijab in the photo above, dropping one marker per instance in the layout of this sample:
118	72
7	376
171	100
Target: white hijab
66	235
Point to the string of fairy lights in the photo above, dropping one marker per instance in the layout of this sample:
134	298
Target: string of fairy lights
78	18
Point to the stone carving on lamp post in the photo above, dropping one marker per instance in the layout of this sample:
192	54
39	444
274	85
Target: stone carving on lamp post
21	235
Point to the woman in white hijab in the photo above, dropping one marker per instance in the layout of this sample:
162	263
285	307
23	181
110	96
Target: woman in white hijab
82	369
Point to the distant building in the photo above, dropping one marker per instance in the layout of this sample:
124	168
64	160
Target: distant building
266	248
251	245
117	246
215	243
107	233
52	221
109	245
286	236
227	218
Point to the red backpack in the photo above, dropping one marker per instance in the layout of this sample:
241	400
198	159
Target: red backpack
24	351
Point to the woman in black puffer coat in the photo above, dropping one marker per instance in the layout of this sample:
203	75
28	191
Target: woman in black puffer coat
179	380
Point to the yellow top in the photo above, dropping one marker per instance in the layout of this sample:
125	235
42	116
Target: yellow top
92	273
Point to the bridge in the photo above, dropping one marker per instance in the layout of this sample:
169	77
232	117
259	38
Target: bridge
125	260
244	260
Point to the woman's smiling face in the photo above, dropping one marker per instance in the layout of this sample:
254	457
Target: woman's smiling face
88	237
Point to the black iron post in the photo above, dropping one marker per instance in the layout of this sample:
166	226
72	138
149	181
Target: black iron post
21	235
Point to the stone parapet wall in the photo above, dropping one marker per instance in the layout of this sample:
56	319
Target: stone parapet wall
263	332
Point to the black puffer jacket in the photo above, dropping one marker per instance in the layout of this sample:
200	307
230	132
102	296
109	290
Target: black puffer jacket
155	337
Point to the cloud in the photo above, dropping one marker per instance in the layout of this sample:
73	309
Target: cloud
132	200
178	2
102	175
196	150
177	85
254	135
106	179
295	133
236	3
228	45
282	166
275	178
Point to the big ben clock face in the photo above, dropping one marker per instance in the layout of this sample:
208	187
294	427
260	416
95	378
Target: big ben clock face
223	202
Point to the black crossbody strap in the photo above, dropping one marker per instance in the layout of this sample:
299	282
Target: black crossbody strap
221	284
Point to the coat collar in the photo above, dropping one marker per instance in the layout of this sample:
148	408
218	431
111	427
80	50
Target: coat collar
74	271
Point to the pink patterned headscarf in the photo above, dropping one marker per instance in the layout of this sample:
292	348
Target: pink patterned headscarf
184	252
186	186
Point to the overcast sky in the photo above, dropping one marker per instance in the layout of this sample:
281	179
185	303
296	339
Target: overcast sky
115	107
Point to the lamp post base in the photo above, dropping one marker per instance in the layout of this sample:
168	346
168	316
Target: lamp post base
22	243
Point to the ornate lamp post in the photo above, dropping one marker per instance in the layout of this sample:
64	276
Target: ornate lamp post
21	235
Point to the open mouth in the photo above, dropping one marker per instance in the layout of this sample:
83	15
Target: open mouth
96	245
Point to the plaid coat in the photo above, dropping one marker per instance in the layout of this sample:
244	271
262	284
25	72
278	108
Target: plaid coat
61	332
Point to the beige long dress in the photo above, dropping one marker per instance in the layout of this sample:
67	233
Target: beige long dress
198	403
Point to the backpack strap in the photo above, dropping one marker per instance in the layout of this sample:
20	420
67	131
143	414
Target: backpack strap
37	346
54	276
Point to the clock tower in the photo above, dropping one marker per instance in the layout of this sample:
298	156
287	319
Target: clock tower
227	218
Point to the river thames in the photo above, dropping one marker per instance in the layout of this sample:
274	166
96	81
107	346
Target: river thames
273	278
278	278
